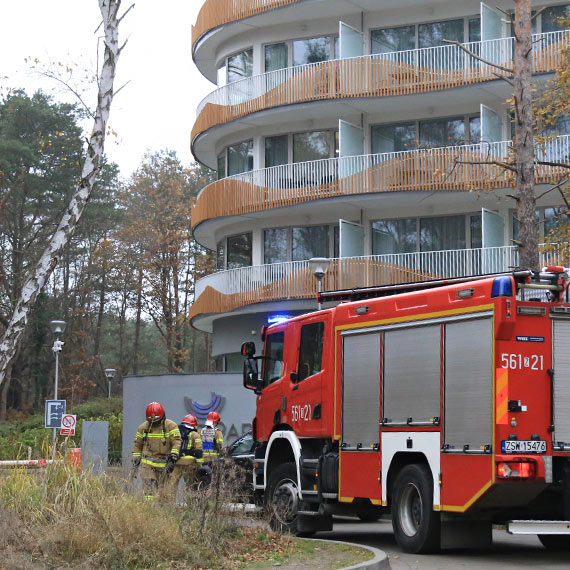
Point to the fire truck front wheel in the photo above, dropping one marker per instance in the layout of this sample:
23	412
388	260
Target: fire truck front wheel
281	498
416	525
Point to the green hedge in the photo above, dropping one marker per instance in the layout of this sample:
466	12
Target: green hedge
16	436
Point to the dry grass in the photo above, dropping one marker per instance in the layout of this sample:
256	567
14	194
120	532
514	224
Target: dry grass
59	518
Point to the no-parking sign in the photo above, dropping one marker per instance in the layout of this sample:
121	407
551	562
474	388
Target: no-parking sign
68	422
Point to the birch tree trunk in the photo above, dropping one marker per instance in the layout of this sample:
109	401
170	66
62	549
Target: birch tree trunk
49	259
524	156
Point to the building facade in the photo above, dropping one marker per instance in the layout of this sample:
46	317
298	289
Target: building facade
355	131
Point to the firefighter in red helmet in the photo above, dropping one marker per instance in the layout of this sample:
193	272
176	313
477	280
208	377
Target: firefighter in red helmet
191	455
212	437
156	448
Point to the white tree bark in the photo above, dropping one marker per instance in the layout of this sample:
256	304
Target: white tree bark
48	261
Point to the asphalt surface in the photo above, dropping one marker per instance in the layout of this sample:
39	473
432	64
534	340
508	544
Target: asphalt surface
507	553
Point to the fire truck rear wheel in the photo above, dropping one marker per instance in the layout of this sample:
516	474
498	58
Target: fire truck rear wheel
281	499
416	525
555	542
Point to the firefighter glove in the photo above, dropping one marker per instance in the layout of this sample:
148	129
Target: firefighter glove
170	462
136	461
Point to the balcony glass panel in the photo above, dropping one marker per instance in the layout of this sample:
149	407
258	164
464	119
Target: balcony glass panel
433	34
394	236
551	18
276	245
276	57
311	50
311	241
393	138
239	251
442	132
475	29
276	150
393	39
474	129
442	233
240	158
476	223
240	65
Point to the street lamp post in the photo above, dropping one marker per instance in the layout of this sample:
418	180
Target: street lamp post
319	266
57	328
110	374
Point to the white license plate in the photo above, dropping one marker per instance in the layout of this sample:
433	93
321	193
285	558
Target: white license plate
523	446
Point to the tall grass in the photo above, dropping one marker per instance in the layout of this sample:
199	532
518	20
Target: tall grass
104	522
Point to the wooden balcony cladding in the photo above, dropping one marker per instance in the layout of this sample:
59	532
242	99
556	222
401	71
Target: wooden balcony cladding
215	13
458	168
383	75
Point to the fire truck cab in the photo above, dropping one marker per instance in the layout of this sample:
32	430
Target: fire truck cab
445	404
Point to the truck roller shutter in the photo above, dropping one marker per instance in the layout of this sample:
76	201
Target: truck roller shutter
561	366
361	391
412	375
468	410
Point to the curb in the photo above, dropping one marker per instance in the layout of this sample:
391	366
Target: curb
379	562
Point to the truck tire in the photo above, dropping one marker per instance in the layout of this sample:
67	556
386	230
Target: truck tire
281	498
416	525
558	542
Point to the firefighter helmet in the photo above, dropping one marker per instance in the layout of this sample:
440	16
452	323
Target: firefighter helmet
154	412
214	417
190	420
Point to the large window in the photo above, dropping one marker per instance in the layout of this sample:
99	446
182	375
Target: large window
393	39
431	133
551	18
240	65
276	56
233	252
276	245
311	50
240	158
431	34
276	150
315	145
311	350
407	235
310	241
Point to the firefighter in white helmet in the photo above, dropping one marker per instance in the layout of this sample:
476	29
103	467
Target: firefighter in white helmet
191	455
156	449
212	437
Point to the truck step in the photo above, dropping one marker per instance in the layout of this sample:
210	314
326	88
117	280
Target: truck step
538	527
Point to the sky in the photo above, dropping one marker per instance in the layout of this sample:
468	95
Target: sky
156	108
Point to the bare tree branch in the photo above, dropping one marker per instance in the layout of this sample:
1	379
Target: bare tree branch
474	55
490	162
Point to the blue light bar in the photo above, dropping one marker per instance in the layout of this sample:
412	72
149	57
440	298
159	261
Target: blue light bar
502	287
273	319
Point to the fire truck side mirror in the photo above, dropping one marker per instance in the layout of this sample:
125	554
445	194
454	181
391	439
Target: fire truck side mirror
250	375
248	349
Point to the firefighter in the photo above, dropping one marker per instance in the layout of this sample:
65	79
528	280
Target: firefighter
212	437
191	455
156	449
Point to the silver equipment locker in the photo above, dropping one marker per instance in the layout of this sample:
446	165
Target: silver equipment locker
561	367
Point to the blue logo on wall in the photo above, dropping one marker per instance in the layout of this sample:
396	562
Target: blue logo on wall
200	411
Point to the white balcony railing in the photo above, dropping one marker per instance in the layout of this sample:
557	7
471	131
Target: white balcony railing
368	270
417	65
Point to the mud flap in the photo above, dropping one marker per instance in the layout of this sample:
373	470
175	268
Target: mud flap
313	523
461	534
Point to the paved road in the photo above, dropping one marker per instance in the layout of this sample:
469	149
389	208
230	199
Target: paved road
507	553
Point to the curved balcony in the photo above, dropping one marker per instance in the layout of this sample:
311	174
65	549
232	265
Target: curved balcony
457	168
380	75
227	291
216	13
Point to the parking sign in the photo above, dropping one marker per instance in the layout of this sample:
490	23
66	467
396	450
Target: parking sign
55	410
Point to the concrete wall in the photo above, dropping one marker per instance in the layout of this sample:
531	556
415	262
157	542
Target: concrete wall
179	394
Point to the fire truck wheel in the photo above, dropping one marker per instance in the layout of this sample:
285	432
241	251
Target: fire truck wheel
281	499
416	525
554	542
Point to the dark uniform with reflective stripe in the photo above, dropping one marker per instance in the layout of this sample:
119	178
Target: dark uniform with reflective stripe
191	458
154	442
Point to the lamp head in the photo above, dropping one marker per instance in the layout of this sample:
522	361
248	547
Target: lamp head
110	373
57	328
319	266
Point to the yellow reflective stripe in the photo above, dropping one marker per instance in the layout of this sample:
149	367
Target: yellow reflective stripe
201	460
153	463
220	440
149	497
139	435
175	451
197	440
137	453
173	432
161	435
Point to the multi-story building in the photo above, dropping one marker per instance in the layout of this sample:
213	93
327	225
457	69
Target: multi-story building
351	130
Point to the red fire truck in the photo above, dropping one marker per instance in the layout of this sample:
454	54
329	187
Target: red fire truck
444	403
